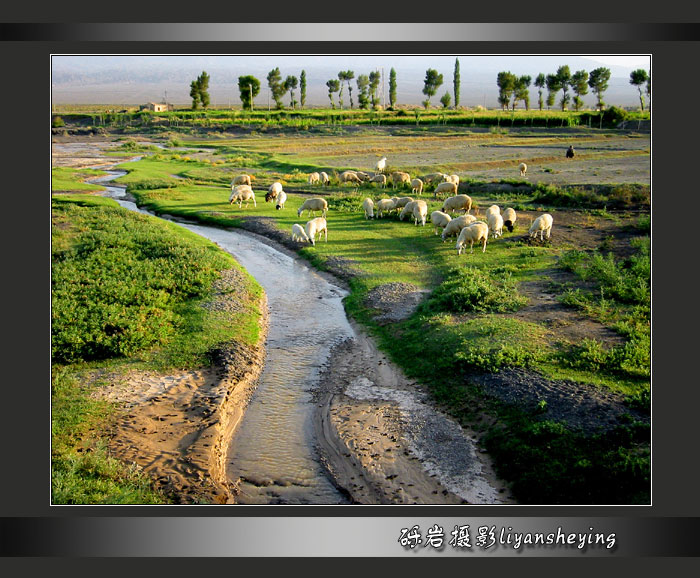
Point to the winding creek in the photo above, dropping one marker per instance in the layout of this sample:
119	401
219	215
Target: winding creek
274	454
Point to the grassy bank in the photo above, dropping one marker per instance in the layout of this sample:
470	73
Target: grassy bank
127	292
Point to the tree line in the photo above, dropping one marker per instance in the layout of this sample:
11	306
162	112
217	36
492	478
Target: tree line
512	89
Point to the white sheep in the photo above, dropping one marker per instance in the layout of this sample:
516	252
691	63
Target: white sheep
432	177
400	178
381	179
522	167
363	175
323	176
313	205
349	177
241	180
316	227
381	164
477	232
272	192
417	186
455	226
509	218
401	202
281	200
368	206
298	233
447	188
451	179
542	225
242	193
420	212
456	202
314	178
385	206
492	210
406	210
495	223
439	220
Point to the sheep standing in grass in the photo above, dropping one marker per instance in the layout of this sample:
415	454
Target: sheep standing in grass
455	226
451	179
541	225
456	202
349	177
316	227
420	212
406	210
363	176
314	178
495	223
401	202
381	179
417	186
241	180
492	210
298	233
385	206
433	177
446	188
400	178
324	178
242	193
439	220
368	206
313	205
522	167
274	190
281	200
381	164
509	218
477	232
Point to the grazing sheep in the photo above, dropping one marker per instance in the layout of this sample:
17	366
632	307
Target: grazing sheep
281	200
325	179
274	190
439	220
542	225
400	178
314	178
406	210
368	206
509	218
349	177
477	232
456	202
241	180
451	179
522	167
417	186
363	176
316	227
381	164
570	152
495	223
433	177
401	202
313	205
455	226
381	179
420	212
298	233
447	188
385	206
242	193
492	210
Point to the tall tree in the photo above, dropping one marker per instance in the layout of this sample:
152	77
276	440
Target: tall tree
363	91
456	82
277	88
649	91
203	86
302	88
553	86
506	87
333	86
521	91
564	76
392	88
350	75
374	79
579	84
540	83
639	78
194	94
598	81
249	87
342	77
431	83
290	84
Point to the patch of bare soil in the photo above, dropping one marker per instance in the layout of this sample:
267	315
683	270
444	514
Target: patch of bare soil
395	301
177	426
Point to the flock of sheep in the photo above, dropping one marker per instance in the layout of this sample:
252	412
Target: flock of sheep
466	227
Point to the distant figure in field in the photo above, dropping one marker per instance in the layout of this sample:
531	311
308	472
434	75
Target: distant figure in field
570	152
